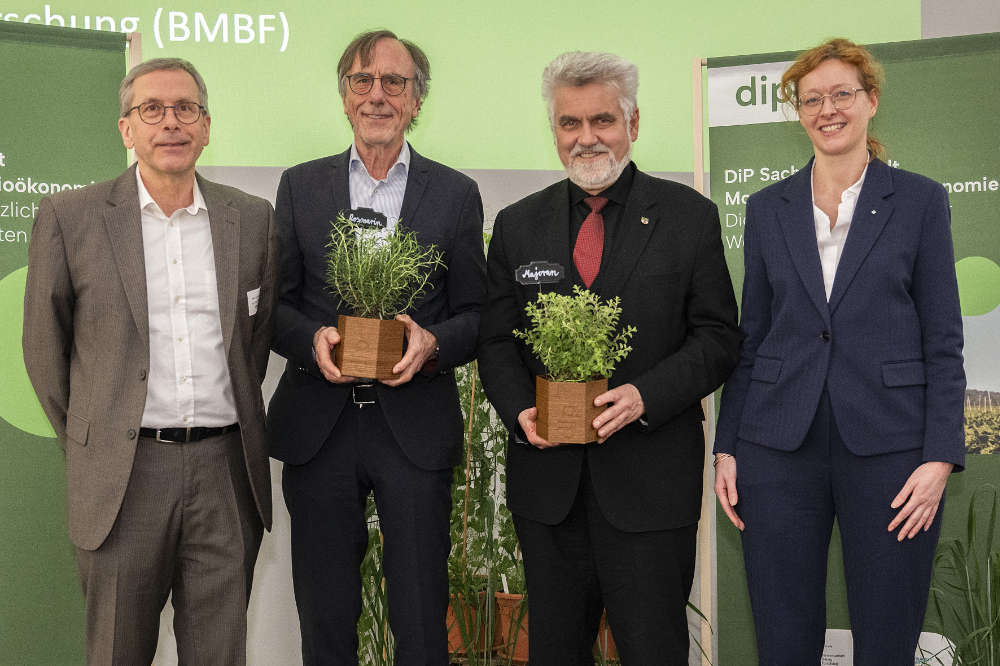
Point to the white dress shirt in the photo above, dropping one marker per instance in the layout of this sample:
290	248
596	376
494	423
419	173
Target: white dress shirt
831	241
384	196
188	383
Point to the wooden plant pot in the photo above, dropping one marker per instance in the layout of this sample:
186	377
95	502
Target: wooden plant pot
369	347
463	616
507	617
566	410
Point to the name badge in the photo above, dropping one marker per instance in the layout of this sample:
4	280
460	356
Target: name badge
253	300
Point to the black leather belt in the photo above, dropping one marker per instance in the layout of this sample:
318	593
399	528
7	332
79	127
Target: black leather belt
364	394
182	435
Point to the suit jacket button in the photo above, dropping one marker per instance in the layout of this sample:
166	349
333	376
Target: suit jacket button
142	374
825	335
131	434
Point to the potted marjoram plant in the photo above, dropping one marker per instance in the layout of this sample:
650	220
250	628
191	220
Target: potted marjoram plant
575	337
378	276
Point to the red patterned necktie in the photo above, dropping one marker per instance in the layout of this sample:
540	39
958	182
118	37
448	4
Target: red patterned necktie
590	242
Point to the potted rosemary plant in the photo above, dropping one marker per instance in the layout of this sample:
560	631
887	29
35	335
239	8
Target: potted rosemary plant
378	276
575	337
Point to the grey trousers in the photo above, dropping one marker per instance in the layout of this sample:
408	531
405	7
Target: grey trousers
189	525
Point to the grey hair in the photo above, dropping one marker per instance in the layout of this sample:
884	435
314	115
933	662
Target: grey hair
362	47
579	68
125	92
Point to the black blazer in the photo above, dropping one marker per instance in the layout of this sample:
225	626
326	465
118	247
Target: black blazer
444	207
668	268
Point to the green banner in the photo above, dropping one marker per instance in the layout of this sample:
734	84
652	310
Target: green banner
58	111
937	117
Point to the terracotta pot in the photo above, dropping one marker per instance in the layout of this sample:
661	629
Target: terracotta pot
507	617
566	410
369	347
473	617
605	641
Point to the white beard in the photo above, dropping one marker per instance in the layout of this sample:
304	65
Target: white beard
596	175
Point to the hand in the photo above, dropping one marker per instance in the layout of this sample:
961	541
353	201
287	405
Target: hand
419	349
627	407
725	487
324	340
528	420
924	488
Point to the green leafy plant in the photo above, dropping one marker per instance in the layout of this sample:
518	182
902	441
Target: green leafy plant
476	497
376	646
574	336
965	594
377	275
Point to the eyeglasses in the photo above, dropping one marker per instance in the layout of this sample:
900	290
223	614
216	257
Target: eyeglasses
392	84
153	113
842	98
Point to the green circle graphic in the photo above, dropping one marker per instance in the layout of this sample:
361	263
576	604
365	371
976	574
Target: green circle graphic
978	285
18	404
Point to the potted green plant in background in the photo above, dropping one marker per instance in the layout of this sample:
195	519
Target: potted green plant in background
965	589
378	275
577	339
476	495
512	599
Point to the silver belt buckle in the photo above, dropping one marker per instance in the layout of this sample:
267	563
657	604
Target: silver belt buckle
354	395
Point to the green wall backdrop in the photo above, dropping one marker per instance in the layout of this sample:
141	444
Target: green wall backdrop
278	108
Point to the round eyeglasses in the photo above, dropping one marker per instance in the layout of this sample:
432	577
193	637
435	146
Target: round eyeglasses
842	98
153	113
392	84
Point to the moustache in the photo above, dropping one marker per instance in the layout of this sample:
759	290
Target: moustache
596	148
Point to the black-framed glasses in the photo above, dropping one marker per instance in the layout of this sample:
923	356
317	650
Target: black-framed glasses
153	113
392	84
842	98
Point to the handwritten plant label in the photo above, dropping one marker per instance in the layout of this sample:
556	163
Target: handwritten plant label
366	218
539	272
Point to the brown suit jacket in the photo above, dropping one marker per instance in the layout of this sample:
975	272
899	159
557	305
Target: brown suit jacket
86	333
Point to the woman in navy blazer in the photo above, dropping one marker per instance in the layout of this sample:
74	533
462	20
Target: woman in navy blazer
847	400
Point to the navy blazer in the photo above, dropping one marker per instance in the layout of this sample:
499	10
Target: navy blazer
887	346
668	267
445	209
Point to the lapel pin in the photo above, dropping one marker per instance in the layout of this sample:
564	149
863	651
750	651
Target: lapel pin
873	212
645	220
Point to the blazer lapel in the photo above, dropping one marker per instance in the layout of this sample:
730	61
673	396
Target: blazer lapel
224	221
636	226
416	183
339	181
123	223
555	245
799	229
870	216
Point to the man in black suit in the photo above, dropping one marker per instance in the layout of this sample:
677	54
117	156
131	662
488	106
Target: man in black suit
611	523
343	437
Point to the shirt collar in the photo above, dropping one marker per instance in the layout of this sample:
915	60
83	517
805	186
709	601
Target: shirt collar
145	199
617	191
404	159
852	192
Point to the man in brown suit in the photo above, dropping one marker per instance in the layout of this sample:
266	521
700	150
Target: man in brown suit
147	321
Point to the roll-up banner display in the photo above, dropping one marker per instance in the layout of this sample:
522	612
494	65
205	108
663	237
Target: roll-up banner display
937	117
58	114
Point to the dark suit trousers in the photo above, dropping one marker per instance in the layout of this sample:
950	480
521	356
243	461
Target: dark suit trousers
326	501
188	525
788	501
576	569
